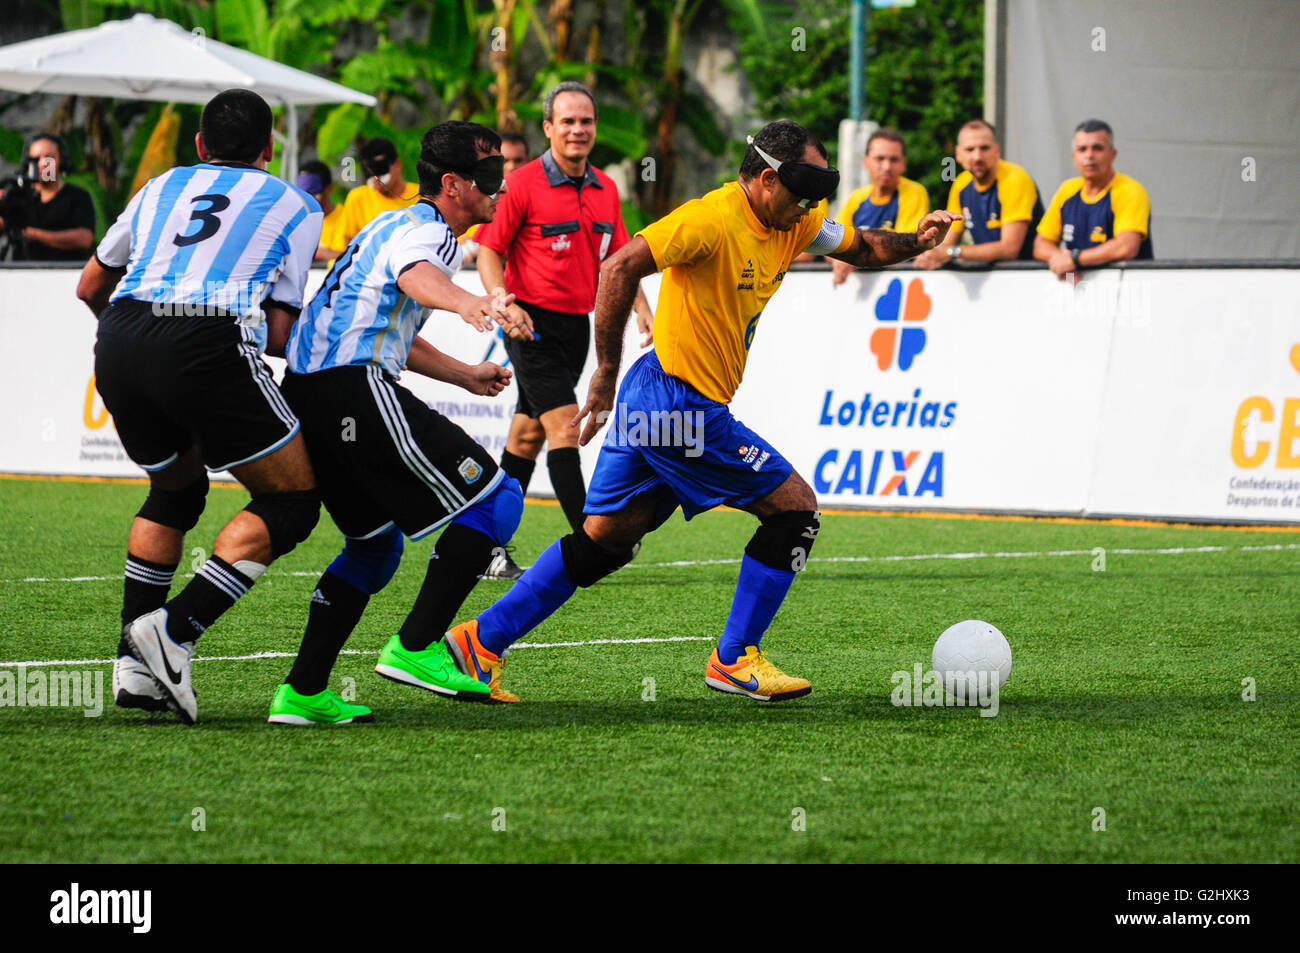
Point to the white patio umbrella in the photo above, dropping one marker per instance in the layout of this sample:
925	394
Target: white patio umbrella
148	58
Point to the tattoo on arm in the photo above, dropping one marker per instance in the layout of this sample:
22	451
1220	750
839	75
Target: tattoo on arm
878	248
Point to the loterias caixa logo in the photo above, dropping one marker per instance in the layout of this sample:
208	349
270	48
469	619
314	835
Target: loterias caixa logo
888	467
1266	431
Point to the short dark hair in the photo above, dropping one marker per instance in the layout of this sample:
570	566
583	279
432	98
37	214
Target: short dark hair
979	124
1097	125
518	139
320	170
381	149
56	141
236	125
568	86
889	135
452	146
784	141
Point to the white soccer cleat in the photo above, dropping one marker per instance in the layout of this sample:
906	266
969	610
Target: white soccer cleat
167	661
134	686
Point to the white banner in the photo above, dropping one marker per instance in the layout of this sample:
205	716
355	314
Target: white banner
1202	408
1167	394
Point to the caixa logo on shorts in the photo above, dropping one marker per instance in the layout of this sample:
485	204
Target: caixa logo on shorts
470	470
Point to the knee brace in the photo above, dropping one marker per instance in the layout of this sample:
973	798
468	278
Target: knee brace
784	541
586	563
289	516
178	509
369	564
497	515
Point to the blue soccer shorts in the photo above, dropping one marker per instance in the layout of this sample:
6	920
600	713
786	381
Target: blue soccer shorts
665	437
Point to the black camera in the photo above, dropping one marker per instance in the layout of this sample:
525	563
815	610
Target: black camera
18	203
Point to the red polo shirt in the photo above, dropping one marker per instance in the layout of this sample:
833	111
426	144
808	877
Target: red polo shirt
554	234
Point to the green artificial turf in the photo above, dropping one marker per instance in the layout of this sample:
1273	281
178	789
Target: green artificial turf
1126	695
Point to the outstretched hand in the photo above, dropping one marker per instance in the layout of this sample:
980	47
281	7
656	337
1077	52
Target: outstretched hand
934	228
488	311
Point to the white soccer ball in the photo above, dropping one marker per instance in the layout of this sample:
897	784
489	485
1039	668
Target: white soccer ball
972	659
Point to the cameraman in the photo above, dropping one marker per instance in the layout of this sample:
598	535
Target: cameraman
45	218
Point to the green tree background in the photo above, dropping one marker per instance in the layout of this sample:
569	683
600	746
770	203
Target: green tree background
925	73
427	60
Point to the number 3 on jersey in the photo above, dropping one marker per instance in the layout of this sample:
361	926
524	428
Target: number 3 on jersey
207	217
750	329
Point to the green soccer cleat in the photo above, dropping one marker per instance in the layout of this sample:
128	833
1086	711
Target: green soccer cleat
324	708
432	669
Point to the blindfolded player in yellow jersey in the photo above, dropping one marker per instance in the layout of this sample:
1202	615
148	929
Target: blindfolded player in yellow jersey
723	255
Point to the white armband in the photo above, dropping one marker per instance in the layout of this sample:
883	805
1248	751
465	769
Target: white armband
828	239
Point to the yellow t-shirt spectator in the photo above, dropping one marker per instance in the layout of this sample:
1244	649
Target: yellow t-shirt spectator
331	233
364	203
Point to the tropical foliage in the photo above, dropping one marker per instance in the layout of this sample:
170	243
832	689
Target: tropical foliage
492	60
924	72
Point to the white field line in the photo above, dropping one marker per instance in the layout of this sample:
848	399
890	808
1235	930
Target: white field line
680	563
265	655
1170	551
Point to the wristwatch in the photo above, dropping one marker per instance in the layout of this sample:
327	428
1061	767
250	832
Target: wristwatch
954	252
1074	256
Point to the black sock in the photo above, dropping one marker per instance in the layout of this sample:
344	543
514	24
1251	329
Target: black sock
214	589
460	555
521	468
336	608
565	467
145	586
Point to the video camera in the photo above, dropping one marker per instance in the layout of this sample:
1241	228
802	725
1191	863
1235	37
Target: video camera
18	201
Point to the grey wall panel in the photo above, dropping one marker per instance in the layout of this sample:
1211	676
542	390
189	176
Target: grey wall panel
1192	88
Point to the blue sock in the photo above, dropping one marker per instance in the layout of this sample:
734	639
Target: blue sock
759	593
534	596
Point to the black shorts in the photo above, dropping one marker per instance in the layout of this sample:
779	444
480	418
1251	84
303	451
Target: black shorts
382	456
547	370
173	382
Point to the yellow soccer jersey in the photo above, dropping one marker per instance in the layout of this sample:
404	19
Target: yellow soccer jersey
1014	201
1076	222
364	203
720	265
901	212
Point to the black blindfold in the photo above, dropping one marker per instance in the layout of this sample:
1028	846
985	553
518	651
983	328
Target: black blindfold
488	174
810	183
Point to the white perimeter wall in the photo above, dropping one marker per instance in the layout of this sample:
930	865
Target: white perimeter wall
1169	394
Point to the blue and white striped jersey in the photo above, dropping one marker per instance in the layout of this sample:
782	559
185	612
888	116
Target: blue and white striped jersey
359	315
215	238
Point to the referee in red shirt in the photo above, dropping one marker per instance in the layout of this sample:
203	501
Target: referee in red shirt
559	219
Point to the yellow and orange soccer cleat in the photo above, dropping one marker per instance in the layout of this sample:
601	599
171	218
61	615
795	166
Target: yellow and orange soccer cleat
476	661
754	676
